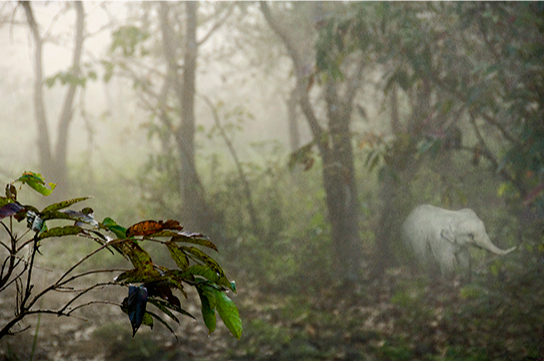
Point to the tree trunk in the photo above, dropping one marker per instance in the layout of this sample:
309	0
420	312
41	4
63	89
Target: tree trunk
397	175
192	210
336	153
294	134
340	183
55	167
66	115
43	141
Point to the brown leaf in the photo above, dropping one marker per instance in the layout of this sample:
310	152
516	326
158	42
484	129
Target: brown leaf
147	228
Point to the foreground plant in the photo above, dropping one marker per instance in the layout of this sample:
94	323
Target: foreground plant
147	283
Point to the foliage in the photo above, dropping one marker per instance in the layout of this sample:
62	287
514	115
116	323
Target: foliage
156	284
483	64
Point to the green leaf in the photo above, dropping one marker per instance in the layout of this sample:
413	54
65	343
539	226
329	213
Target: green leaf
178	256
140	259
61	232
208	304
229	314
137	276
204	271
210	262
63	204
112	226
36	182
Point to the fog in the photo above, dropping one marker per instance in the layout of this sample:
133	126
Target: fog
298	137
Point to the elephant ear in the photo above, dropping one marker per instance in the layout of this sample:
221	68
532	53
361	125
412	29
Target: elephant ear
448	234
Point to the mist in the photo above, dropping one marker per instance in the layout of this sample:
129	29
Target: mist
298	137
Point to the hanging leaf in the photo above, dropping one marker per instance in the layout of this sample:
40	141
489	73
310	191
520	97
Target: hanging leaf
36	182
178	256
208	304
229	314
136	304
63	204
210	262
146	228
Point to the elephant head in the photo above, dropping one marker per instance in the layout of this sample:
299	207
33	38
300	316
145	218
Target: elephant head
465	228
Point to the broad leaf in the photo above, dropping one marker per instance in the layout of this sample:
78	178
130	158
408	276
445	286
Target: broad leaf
36	182
229	314
210	262
146	228
195	238
112	226
136	305
61	232
75	216
137	276
140	259
10	209
63	204
208	304
178	256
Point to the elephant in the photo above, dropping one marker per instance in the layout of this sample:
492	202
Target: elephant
441	236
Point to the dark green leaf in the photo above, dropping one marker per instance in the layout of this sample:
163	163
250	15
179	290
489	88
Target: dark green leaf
208	304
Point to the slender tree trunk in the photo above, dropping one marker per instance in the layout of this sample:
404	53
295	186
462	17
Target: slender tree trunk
66	115
54	165
43	141
192	210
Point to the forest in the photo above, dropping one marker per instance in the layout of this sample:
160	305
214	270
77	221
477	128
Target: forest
279	146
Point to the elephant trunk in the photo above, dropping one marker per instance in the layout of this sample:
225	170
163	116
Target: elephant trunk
488	245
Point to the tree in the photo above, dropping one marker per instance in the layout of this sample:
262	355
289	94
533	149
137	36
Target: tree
53	160
156	284
470	83
168	87
334	141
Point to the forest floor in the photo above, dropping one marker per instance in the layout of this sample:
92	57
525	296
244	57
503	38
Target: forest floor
394	318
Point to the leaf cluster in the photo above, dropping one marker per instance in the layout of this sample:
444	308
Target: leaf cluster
157	284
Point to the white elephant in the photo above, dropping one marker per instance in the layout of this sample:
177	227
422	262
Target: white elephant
440	236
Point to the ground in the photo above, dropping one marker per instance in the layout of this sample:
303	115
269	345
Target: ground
392	318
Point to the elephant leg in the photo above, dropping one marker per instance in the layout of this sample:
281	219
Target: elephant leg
446	260
463	260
